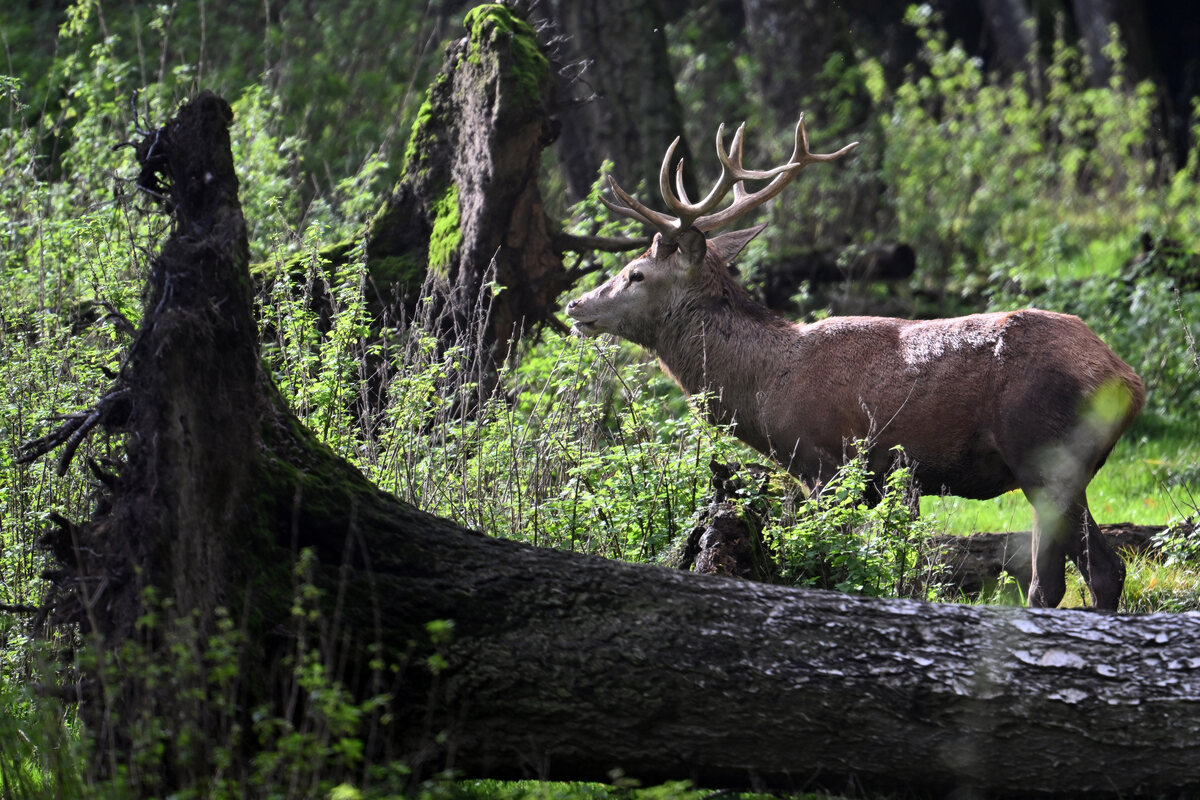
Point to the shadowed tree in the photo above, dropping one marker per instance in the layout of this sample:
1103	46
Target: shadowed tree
464	229
619	100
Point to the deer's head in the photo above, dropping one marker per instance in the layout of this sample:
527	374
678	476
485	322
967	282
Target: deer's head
685	263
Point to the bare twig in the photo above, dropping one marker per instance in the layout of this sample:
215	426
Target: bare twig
118	319
73	431
1187	331
567	242
17	608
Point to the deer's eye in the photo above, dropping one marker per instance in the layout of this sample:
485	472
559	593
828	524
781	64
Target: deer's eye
636	275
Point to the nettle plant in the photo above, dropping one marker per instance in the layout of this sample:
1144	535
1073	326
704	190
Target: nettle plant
580	450
835	539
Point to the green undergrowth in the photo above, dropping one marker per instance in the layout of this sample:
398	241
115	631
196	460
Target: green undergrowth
1144	482
834	539
1027	173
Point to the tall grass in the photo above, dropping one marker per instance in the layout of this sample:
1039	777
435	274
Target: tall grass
585	447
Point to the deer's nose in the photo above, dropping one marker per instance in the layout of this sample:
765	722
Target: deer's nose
572	304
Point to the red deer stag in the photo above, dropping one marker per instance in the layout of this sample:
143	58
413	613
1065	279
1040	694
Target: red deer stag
982	404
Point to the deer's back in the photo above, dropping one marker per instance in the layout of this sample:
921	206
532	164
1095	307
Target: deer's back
967	397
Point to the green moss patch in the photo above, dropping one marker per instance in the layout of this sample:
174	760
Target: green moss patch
404	271
486	24
446	235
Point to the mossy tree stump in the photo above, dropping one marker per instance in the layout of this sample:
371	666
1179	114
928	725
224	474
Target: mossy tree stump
466	225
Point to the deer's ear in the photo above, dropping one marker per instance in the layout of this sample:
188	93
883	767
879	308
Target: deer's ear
692	246
728	245
659	249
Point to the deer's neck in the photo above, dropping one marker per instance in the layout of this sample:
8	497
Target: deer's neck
729	350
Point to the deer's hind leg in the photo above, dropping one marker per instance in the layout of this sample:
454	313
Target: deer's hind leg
1049	551
1063	530
1101	567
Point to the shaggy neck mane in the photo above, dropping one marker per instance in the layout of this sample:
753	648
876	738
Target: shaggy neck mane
716	329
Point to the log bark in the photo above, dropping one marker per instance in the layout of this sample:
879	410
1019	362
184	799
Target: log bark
731	683
782	274
560	666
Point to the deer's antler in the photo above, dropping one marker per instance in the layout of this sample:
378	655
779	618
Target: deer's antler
701	215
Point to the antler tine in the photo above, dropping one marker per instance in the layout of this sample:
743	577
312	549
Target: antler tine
780	177
635	210
664	175
810	157
689	214
686	211
680	190
678	202
732	162
719	189
735	155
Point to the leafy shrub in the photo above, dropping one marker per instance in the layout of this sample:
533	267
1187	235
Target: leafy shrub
835	539
992	178
583	451
1179	544
330	80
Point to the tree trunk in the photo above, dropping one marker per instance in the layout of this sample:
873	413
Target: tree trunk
183	524
791	41
560	666
466	227
806	57
620	93
1094	18
1011	34
781	274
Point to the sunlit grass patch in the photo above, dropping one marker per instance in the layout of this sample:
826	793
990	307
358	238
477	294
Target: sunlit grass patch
1144	482
1151	586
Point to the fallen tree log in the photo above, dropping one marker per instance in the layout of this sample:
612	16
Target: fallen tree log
559	666
731	683
975	563
780	276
